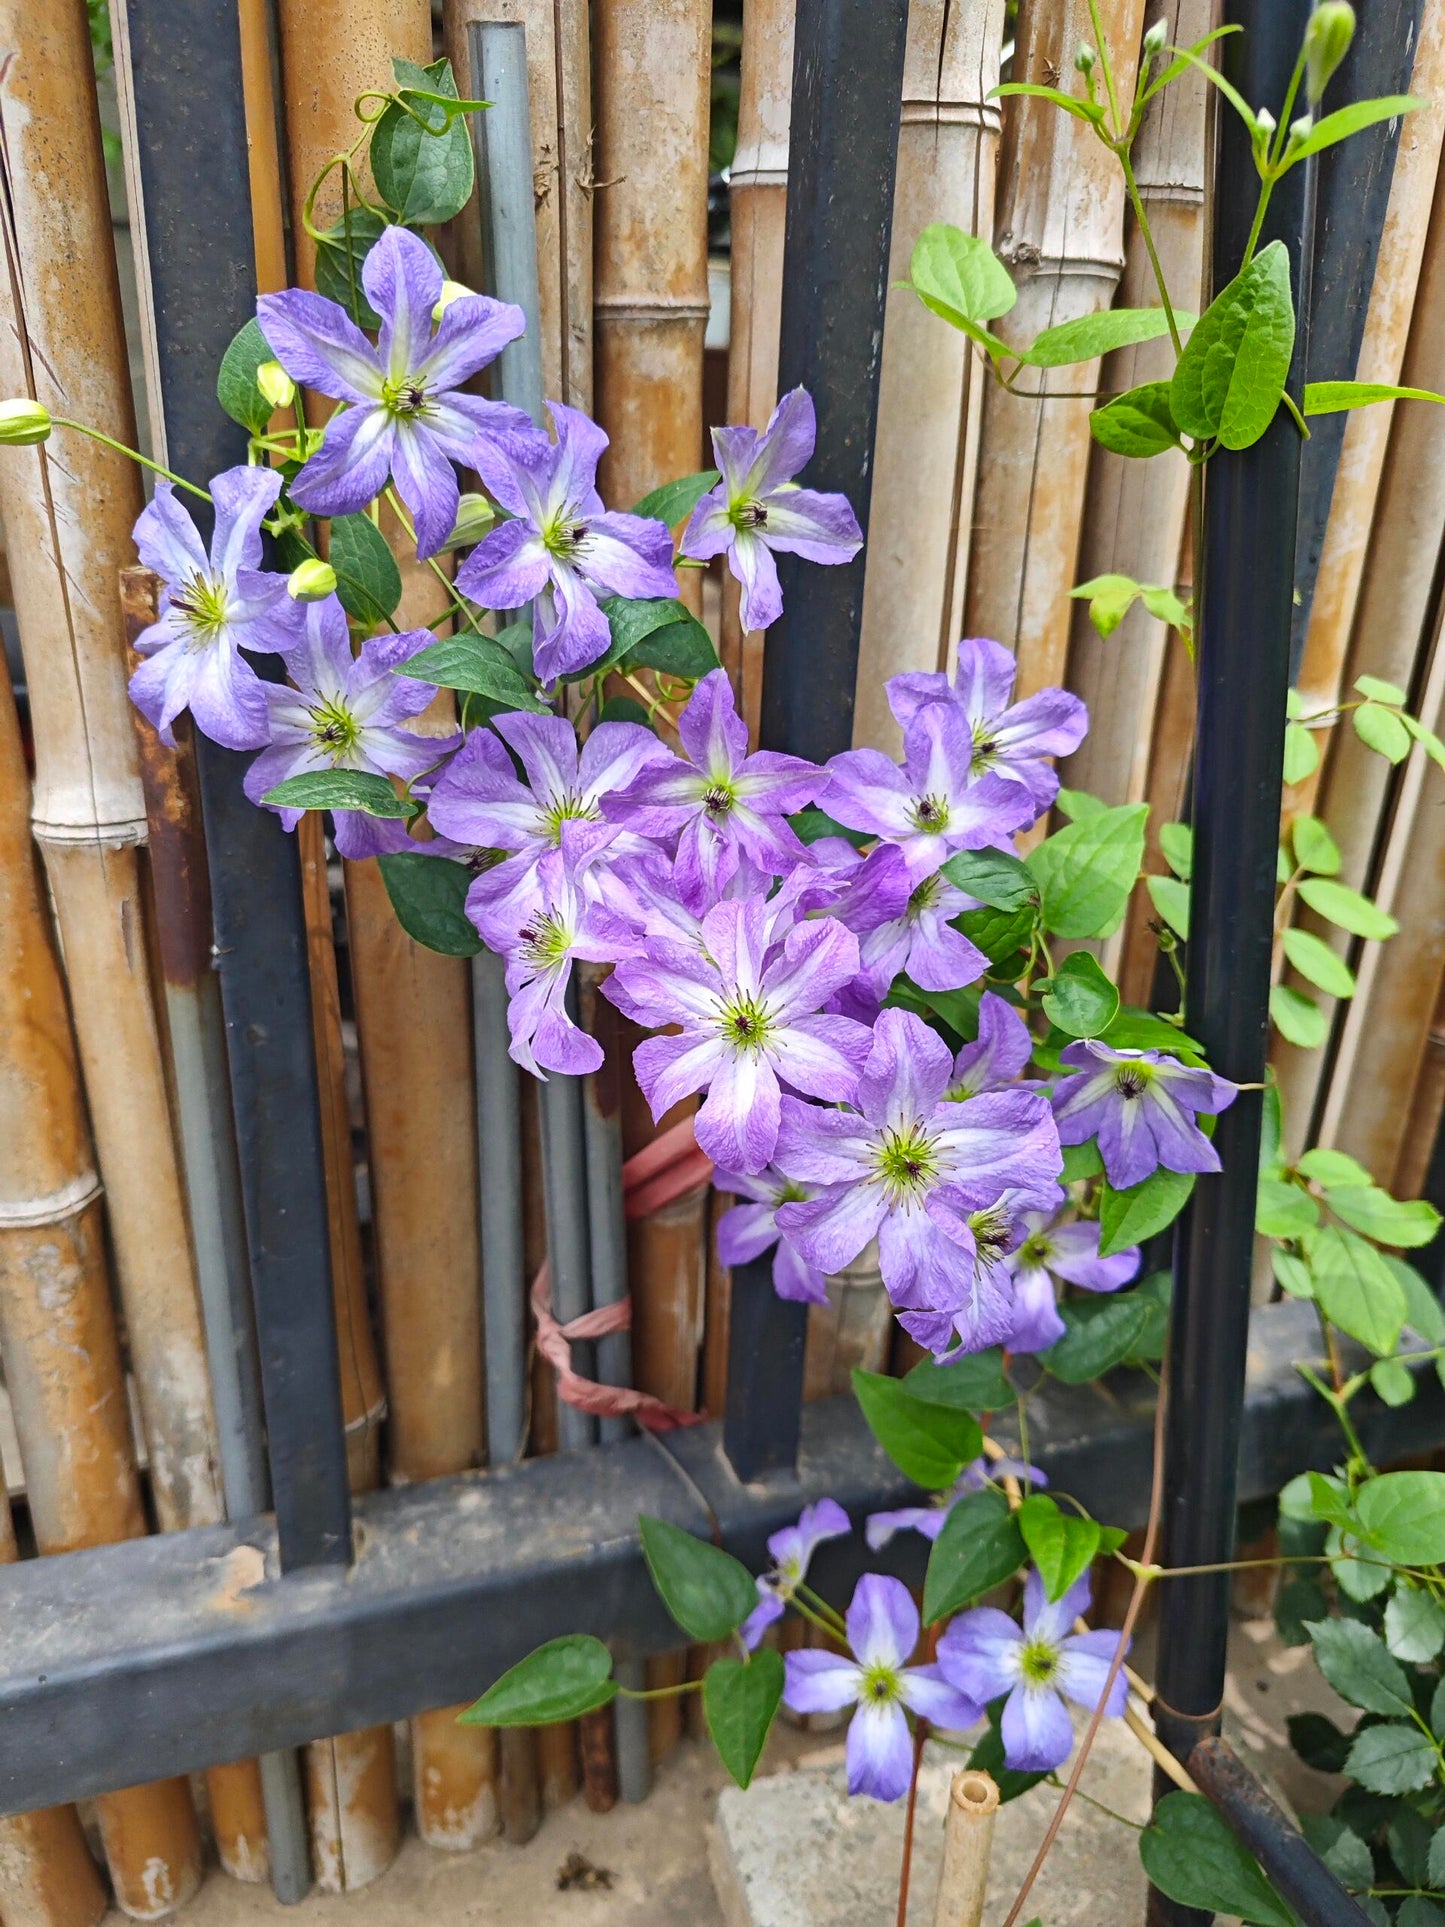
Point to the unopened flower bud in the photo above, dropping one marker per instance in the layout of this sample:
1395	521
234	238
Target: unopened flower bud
23	422
451	291
1085	58
311	581
475	516
275	384
1301	129
1264	126
1327	41
1156	39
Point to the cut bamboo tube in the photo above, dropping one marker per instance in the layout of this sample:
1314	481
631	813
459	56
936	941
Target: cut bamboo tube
1134	512
930	396
598	1745
560	89
1059	229
758	202
68	511
263	152
852	1329
58	1340
967	1844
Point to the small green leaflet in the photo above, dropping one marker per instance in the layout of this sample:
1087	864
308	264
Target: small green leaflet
1085	871
1370	1209
1345	121
1313	958
976	1382
1080	998
1138	423
707	1591
1383	731
675	501
1112	596
1355	1288
367	578
1391	1759
1340	905
1414	1624
740	1699
963	281
1088	110
425	173
339	789
1129	1217
1088	336
980	1546
1062	1545
1403	1516
429	894
929	1443
1283	1210
1301	753
1176	841
1314	848
559	1681
996	877
236	388
1297	1018
1331	397
1231	375
1101	1333
1170	898
476	663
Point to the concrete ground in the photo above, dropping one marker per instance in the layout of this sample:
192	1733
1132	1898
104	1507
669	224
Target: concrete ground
650	1865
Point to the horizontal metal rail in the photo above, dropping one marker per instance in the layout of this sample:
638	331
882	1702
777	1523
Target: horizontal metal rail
163	1655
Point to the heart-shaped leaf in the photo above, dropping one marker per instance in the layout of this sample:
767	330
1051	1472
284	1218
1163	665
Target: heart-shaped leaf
740	1699
929	1443
707	1591
559	1681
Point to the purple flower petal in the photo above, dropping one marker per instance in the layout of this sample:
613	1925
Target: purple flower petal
628	555
751	563
745	1232
1036	1320
907	1070
979	1654
1084	1662
879	1751
351	466
925	1691
507	569
817	1681
402	279
820	528
768	1610
831	1229
738	1122
795	1279
881	1527
320	346
1037	1732
426	482
882	1622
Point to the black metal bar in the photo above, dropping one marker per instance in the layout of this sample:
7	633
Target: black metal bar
1290	1863
106	1655
1247	584
847	99
190	131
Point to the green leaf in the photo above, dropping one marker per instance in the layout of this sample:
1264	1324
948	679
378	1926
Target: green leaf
1329	1167
1437	1723
1292	1272
1086	870
974	1383
1356	1664
929	1443
1101	1333
1297	1018
1129	1217
1380	692
429	894
559	1681
1330	1499
996	877
1000	934
1426	738
1283	1210
980	1546
1170	898
1088	336
340	252
1393	1382
1437	1844
1110	599
1313	958
339	789
1301	753
963	281
367	578
682	649
1191	1855
1339	904
740	1699
707	1591
1318	1741
811	824
1136	1029
1137	423
1403	1515
1392	1759
1382	730
1061	1544
1081	998
1390	1221
1423	1310
675	501
476	663
659	633
957	1008
1231	375
1355	1288
1314	848
1339	1846
1416	1911
425	173
236	388
1345	121
1414	1624
1176	840
625	709
1087	110
1156	1293
1298	1603
1081	1161
1332	397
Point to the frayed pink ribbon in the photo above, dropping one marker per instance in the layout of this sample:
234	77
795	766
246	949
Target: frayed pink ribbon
663	1171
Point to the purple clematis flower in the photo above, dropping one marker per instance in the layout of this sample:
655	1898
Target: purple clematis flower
1001	1050
904	925
1140	1105
748	1230
479	801
934	804
404	418
562	548
929	1520
720	803
749	1008
211	604
1013	740
757	508
792	1550
937	1183
882	1633
1058	1250
346	712
985	1655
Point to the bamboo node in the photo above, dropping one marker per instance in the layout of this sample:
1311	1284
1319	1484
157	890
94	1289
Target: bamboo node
26	1214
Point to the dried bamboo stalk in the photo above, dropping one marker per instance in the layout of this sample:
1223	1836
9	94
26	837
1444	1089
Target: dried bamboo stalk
559	85
758	200
68	512
58	1339
1059	229
931	392
263	153
1134	512
853	1328
967	1843
1427	1102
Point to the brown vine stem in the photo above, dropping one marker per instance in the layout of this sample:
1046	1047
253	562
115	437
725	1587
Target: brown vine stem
920	1734
1136	1601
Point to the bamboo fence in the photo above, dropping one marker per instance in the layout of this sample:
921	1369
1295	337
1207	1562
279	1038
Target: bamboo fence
986	509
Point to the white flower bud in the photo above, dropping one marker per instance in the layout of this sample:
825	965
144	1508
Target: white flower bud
311	581
1085	58
23	422
1156	39
475	515
451	291
1302	128
1327	41
275	384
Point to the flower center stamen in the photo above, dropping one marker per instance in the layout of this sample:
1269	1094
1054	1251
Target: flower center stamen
1133	1082
564	535
923	898
404	397
930	814
748	515
201	601
333	729
545	941
745	1023
569	807
880	1685
1038	1662
718	798
991	1232
907	1162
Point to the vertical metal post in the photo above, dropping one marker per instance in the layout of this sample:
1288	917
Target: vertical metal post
847	95
1247	589
499	1172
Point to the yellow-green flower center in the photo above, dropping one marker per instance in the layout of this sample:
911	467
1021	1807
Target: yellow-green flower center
879	1685
404	396
924	897
745	1022
991	1231
907	1162
1038	1662
564	535
746	514
334	729
1132	1080
567	808
1034	1252
718	798
545	941
930	814
201	602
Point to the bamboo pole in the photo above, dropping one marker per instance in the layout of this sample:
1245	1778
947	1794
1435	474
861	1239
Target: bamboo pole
758	201
1059	229
1427	1102
1134	512
852	1329
559	83
930	397
967	1844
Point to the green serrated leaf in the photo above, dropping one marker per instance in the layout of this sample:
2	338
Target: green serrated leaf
559	1681
1085	871
1060	1544
1354	1661
1081	998
424	173
1313	959
1392	1759
1089	336
338	789
1414	1624
675	501
1231	375
236	388
929	1443
1340	905
1299	1602
1190	1854
1138	423
1297	1018
1403	1516
1100	1334
707	1591
740	1699
428	895
368	580
1129	1217
996	877
980	1546
1340	1847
